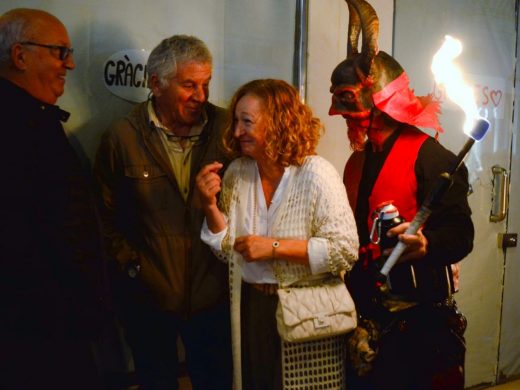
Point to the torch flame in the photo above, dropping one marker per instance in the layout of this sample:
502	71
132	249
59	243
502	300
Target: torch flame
450	76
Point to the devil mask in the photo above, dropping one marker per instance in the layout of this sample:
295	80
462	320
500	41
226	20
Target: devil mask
373	79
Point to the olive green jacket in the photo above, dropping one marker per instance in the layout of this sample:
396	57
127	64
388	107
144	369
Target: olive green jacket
147	222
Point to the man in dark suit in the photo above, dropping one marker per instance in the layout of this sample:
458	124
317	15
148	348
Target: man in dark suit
51	262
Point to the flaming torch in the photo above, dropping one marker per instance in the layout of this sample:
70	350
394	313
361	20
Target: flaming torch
475	127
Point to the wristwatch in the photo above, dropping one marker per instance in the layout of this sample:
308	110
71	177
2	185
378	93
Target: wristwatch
276	244
132	269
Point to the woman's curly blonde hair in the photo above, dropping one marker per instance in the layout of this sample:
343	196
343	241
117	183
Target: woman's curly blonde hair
292	132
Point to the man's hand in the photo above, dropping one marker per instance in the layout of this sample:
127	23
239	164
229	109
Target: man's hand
416	244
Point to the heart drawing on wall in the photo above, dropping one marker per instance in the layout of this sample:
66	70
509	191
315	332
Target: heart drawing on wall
496	96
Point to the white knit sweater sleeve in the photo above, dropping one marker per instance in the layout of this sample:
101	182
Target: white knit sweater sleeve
317	208
333	219
213	240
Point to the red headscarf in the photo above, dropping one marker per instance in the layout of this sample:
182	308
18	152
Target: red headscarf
398	101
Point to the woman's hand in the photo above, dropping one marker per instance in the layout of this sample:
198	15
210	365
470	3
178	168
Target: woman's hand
208	184
416	244
254	248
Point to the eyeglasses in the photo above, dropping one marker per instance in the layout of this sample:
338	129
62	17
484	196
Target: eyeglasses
64	51
196	139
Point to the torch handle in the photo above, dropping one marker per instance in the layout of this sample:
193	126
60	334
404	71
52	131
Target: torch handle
462	154
419	219
430	203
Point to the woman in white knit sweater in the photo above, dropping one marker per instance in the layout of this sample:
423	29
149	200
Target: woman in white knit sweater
283	218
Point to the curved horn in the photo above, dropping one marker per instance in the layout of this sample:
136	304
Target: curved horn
370	29
354	28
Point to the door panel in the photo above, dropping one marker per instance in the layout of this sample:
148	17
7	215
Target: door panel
487	30
509	356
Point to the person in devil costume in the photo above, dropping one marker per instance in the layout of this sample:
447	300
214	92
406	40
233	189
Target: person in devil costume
411	334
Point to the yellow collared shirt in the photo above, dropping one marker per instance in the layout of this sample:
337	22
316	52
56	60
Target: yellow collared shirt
179	150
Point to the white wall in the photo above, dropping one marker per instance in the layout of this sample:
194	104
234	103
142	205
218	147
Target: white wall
248	39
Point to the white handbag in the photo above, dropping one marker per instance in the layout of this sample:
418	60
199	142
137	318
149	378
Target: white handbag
311	313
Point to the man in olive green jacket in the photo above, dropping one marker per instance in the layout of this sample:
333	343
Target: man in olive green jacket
166	281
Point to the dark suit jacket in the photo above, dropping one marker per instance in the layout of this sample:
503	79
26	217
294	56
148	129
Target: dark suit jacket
51	263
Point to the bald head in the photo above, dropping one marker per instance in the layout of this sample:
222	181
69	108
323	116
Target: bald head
31	42
18	25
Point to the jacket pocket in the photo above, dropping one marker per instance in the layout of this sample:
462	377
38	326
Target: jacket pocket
148	185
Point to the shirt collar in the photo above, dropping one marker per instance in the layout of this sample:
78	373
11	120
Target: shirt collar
196	129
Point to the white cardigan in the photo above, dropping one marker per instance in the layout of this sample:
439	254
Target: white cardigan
314	205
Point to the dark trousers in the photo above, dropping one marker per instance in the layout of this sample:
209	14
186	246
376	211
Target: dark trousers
261	344
60	364
152	336
420	348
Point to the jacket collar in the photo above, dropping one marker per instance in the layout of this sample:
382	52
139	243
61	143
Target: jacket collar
140	120
24	101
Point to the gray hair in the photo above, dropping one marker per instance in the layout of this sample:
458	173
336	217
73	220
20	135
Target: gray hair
175	50
14	27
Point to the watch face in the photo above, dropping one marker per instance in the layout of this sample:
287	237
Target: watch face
132	272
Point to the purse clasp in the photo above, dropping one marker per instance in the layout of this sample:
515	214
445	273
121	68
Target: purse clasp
321	321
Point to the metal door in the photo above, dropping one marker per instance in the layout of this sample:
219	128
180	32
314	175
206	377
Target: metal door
490	276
